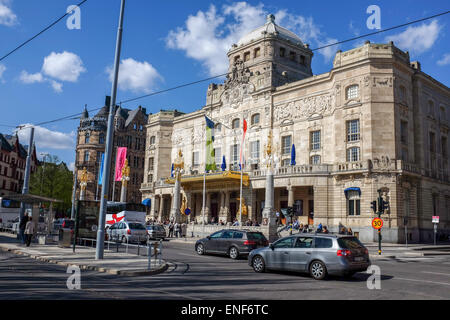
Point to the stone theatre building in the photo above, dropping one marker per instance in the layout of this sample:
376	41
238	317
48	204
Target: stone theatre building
374	121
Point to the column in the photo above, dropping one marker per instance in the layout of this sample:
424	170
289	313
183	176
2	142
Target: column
155	207
269	218
208	207
290	195
175	209
161	208
227	206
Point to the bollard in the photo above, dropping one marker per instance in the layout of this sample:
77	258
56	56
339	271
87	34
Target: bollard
117	245
139	242
160	251
149	254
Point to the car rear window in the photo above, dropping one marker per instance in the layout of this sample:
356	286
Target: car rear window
238	235
255	236
136	226
350	243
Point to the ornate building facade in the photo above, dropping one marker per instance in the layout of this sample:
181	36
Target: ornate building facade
13	158
375	121
129	131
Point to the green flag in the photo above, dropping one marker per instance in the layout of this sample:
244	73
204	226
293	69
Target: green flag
210	155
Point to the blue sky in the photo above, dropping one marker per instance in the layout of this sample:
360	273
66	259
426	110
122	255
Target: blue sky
170	43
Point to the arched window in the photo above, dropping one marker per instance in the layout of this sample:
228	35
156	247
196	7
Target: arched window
255	118
235	124
218	127
87	137
443	115
101	138
315	159
353	203
152	140
352	92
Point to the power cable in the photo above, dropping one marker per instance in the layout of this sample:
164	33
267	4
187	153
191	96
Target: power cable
221	75
39	33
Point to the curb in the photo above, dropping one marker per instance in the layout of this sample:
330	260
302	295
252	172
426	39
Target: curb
138	272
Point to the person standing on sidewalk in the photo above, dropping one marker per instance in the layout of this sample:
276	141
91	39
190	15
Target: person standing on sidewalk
29	231
170	229
22	226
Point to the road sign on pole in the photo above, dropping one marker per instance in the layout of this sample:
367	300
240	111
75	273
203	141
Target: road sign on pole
435	219
377	223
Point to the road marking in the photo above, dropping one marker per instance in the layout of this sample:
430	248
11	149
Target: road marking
444	274
426	281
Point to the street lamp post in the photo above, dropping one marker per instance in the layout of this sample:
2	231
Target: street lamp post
109	142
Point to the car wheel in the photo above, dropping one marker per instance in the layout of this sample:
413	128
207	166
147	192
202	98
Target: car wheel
124	239
200	249
258	264
233	253
318	270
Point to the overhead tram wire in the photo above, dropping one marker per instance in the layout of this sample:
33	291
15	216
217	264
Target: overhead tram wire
222	75
39	33
316	49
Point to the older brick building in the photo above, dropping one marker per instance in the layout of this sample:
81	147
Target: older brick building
129	131
13	157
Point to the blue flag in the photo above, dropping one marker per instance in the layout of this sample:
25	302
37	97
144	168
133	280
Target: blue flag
100	176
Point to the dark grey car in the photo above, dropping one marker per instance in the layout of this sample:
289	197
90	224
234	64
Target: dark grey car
156	232
234	243
318	254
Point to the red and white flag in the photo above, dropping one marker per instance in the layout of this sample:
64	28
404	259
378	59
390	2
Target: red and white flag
241	164
120	162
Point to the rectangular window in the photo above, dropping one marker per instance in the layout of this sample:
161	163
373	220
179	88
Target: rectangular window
285	162
235	156
292	55
353	154
432	142
444	146
286	145
315	159
86	156
404	132
315	140
254	146
257	52
353	130
218	157
282	52
247	56
151	163
150	178
195	159
354	207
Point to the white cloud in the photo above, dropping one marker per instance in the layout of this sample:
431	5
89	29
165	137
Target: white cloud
207	36
443	62
135	76
7	16
65	66
45	138
417	39
28	78
2	70
71	166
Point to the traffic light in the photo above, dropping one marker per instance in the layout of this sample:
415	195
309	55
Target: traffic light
290	211
385	206
373	206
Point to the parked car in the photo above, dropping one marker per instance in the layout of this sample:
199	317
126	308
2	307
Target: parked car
318	254
234	243
156	231
63	223
127	232
15	226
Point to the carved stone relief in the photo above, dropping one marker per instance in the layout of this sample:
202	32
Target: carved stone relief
305	108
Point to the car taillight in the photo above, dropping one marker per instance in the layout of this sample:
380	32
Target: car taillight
343	253
249	243
129	231
64	224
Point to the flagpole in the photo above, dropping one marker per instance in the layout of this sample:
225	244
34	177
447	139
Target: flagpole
204	192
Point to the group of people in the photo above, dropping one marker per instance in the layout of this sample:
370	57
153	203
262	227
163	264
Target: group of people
177	229
26	230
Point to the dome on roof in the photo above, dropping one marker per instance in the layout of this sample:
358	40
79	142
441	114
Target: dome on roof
270	27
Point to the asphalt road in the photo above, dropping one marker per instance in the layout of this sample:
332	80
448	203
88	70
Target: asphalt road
214	277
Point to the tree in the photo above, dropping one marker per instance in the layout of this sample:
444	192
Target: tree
53	180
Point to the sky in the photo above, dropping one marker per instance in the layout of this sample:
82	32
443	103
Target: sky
168	43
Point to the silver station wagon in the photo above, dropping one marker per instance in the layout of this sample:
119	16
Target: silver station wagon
317	254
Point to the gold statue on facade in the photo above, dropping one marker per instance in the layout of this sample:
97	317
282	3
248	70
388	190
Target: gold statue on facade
125	173
84	178
178	165
183	206
244	209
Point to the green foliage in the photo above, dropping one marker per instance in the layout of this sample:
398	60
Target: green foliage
53	179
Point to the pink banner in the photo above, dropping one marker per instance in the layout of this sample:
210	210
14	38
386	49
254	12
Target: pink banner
120	162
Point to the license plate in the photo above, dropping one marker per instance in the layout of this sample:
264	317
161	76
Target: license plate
358	259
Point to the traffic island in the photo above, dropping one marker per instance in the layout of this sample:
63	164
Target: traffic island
122	264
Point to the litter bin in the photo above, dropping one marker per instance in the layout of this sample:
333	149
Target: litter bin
65	238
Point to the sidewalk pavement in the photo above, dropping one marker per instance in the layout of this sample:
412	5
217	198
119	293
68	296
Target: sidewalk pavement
84	257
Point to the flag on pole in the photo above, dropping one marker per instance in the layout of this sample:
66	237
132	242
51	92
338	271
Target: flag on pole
100	176
120	162
241	162
210	155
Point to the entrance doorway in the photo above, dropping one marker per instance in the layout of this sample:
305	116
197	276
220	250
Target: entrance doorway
214	212
311	212
233	211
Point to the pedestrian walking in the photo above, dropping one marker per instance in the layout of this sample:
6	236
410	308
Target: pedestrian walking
29	231
22	226
170	229
319	228
349	232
